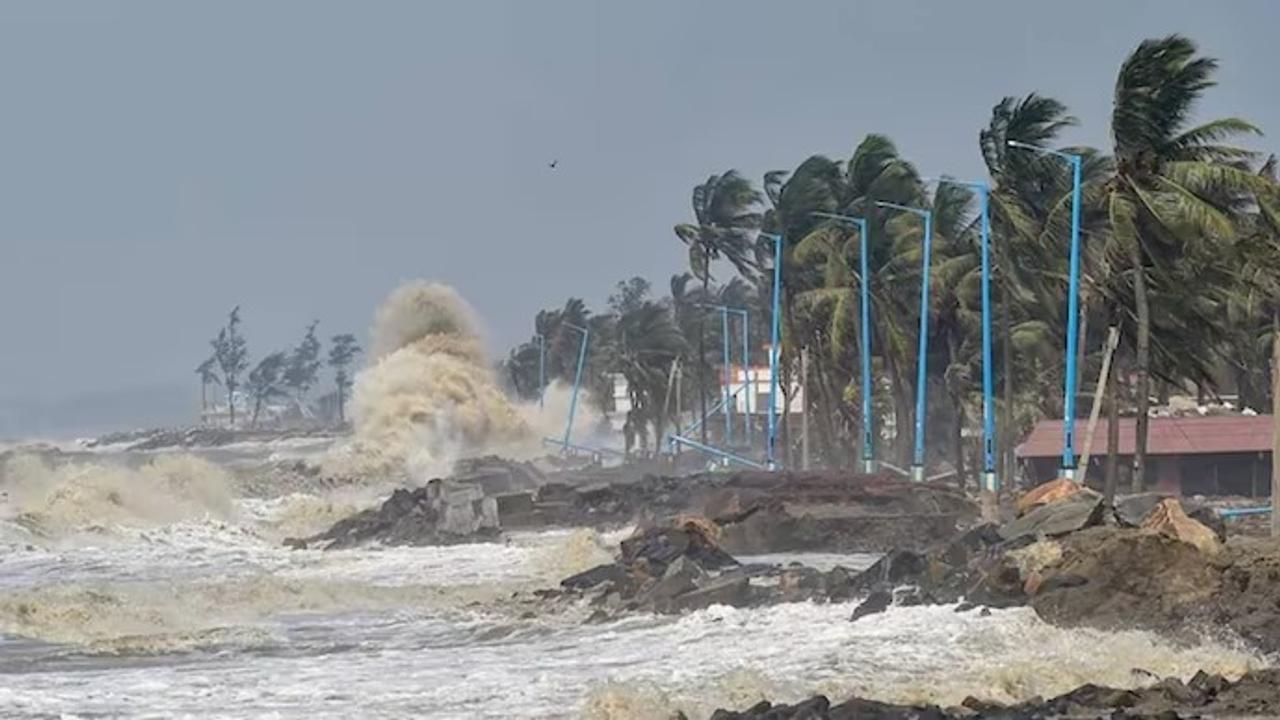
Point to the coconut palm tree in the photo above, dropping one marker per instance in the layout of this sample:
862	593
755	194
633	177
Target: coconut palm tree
648	341
725	217
1168	223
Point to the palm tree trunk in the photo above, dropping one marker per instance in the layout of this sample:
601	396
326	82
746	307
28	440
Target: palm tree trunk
827	407
784	422
1112	472
702	345
1007	434
957	438
1142	369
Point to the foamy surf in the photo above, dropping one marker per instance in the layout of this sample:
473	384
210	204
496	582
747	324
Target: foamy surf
456	665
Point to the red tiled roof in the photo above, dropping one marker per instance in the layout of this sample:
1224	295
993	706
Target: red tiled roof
1209	435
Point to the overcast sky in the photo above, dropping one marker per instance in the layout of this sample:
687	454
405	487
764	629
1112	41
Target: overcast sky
163	161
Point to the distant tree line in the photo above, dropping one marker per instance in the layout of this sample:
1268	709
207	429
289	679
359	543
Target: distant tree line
284	374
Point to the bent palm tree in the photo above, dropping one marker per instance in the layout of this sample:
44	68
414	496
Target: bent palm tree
1168	202
724	209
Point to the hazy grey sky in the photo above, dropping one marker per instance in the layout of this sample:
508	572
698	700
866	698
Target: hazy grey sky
163	161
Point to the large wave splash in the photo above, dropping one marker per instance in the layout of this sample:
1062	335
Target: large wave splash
427	394
58	498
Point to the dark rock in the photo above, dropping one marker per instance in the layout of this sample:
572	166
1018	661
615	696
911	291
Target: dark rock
860	709
1174	689
1257	694
877	602
895	567
1131	510
730	589
1061	582
430	515
611	573
681	576
1060	518
295	543
1209	685
658	547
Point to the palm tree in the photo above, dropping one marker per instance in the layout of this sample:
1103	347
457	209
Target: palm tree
1025	188
821	274
208	376
1167	221
724	209
648	340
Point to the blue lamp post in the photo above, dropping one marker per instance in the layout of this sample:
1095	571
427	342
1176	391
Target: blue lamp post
727	402
728	394
774	338
1073	308
577	380
922	362
990	482
868	429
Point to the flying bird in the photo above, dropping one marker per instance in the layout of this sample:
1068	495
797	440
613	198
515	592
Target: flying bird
553	164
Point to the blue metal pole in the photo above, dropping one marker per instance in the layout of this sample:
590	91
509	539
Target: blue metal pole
723	455
774	333
1073	320
746	372
869	464
1073	309
868	428
577	382
922	371
728	396
922	361
989	479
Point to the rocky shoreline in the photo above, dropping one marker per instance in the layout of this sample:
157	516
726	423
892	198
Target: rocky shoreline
1256	695
1076	562
755	512
1148	562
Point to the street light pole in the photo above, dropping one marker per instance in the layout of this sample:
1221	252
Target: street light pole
922	362
728	396
990	482
774	339
577	380
748	385
868	428
1073	307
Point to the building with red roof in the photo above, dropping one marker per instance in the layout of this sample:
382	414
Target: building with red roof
1210	454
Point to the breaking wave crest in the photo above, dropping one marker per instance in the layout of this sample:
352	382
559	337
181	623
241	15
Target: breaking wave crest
54	499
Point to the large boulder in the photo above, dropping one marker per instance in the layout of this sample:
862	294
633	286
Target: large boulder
1121	577
654	549
1168	518
1047	494
1076	512
437	513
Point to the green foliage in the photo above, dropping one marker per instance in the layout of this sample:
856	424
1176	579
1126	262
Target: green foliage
303	365
265	381
343	350
231	353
